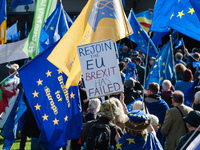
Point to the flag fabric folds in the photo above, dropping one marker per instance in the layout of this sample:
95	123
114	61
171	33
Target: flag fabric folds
180	43
131	71
3	11
97	21
10	127
157	37
196	6
12	51
16	3
140	37
57	110
184	20
54	28
178	15
42	12
15	37
8	96
10	31
145	19
163	66
3	27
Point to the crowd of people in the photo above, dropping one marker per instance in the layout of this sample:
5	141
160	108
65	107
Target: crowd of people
153	118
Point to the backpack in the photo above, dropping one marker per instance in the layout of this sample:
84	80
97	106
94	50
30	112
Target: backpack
99	137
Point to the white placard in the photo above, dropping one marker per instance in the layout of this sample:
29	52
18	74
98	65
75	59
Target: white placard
100	68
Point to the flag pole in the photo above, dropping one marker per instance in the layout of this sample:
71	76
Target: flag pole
145	72
171	43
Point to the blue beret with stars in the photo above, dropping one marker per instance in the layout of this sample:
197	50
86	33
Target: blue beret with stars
137	116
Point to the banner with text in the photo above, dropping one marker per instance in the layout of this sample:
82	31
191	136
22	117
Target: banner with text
100	68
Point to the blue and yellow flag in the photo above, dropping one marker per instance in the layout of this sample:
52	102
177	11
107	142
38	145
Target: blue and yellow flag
163	66
178	15
140	37
196	6
99	20
54	28
3	11
57	110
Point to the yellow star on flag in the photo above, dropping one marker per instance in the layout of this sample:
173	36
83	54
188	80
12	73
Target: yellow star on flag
15	117
45	117
140	29
39	82
156	60
130	141
160	58
55	121
191	11
163	63
51	28
151	72
66	118
35	94
155	66
118	146
163	71
138	32
180	14
161	78
72	95
59	71
48	73
172	15
102	13
139	116
37	107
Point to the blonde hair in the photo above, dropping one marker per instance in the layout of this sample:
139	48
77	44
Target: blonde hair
122	116
166	85
197	98
94	104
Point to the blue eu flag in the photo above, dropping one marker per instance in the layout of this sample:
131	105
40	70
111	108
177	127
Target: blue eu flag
196	6
16	3
57	110
163	66
15	118
140	37
178	15
131	71
54	28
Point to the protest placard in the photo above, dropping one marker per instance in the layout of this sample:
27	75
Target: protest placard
100	68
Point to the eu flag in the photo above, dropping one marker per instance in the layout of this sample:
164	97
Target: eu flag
11	125
57	110
131	71
54	28
140	37
196	6
163	66
178	15
16	3
15	37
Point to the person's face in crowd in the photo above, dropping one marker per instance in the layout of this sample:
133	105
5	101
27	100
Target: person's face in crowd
156	127
151	62
125	49
148	91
